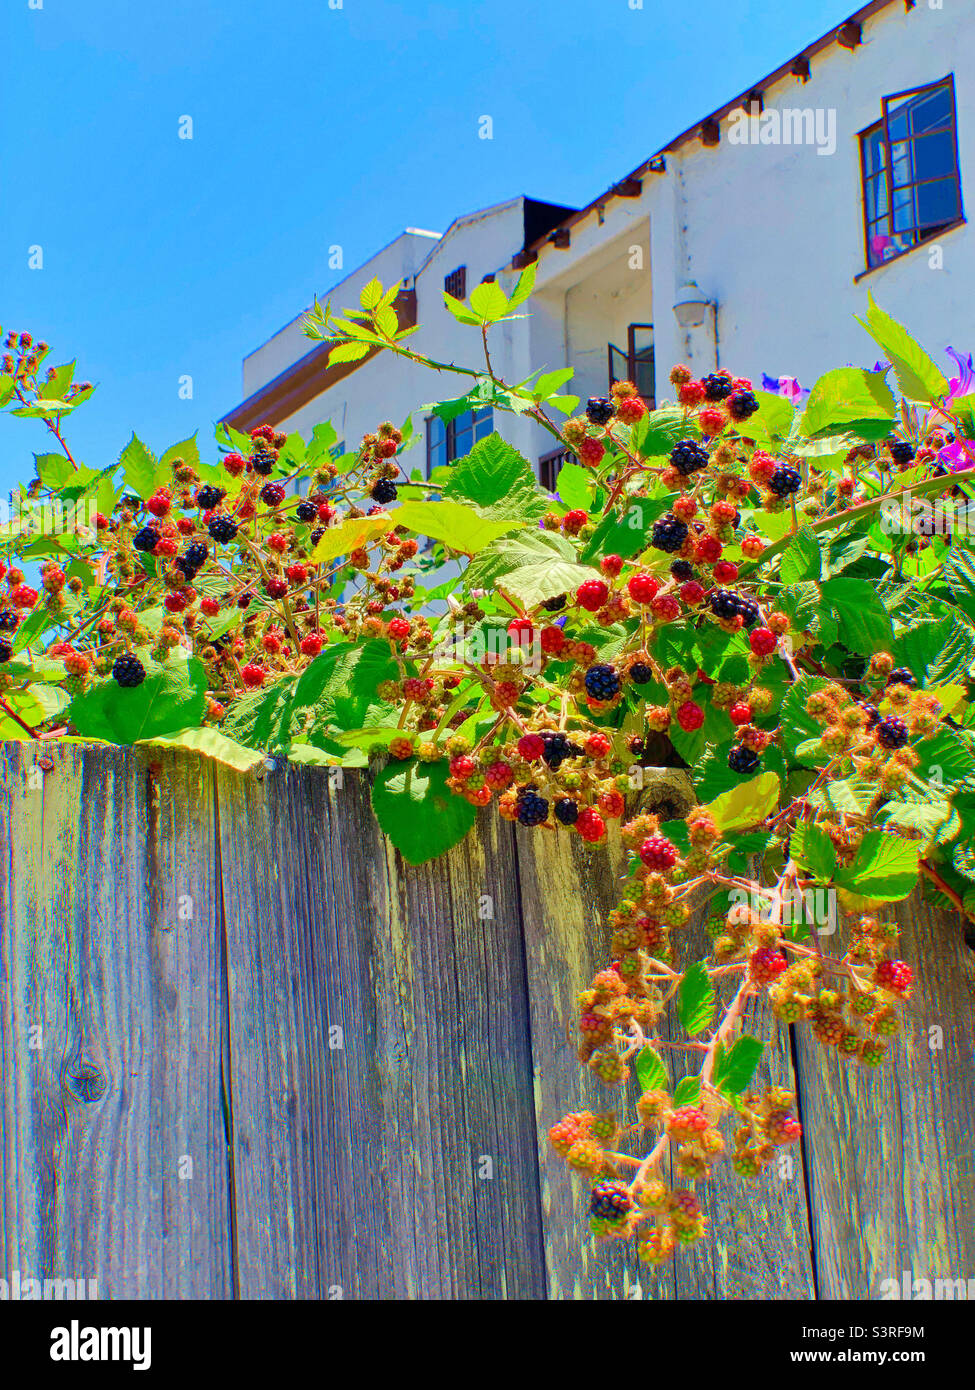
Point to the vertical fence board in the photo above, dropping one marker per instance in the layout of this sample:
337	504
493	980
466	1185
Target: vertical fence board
122	1078
344	1154
566	890
891	1151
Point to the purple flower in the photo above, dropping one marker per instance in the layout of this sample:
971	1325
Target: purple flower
786	386
964	382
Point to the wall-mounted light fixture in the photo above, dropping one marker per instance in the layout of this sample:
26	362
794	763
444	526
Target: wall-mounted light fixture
691	305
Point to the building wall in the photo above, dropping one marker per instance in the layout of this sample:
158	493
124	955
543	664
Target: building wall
774	233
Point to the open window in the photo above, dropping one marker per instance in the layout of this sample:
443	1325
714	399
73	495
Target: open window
909	168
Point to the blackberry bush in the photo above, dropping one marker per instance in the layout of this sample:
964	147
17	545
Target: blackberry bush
710	594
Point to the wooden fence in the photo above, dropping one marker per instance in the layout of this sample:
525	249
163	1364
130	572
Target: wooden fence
246	1052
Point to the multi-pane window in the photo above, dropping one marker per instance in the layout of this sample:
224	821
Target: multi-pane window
909	163
456	282
455	438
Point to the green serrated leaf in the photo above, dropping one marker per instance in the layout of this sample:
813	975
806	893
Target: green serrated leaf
695	999
650	1071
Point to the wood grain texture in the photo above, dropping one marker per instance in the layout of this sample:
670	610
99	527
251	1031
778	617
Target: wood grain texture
891	1152
272	1060
110	1078
402	1163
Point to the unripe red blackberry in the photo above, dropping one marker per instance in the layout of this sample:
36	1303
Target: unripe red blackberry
894	975
657	852
686	1123
766	965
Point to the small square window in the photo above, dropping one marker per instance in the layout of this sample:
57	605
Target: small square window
455	283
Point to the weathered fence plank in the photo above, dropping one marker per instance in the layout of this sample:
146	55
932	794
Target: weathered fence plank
268	1059
416	1134
113	1156
891	1153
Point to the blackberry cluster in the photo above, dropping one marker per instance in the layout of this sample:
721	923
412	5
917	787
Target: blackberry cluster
872	713
208	497
716	388
602	682
742	759
128	670
567	810
600	410
146	539
892	733
901	451
609	1201
6	650
8	620
689	457
532	808
556	604
901	676
784	481
223	529
306	511
640	673
382	492
682	570
558	747
263	461
668	534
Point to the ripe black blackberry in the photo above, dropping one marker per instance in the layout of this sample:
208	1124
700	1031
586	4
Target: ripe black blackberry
725	603
749	611
8	620
641	673
532	808
263	461
317	534
872	713
146	539
567	810
6	650
272	494
223	529
742	404
306	511
785	480
556	604
742	759
196	555
600	410
557	749
668	534
208	497
610	1201
688	457
901	451
682	570
717	387
892	733
128	670
602	681
901	676
384	491
245	600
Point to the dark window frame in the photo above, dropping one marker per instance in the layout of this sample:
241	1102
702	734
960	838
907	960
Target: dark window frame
922	232
455	284
486	413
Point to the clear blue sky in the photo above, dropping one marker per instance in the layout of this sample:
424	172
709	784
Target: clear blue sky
312	126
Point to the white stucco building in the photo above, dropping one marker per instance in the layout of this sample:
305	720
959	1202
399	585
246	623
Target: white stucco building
842	172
